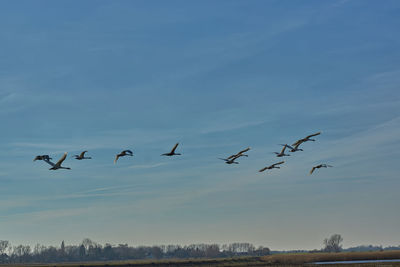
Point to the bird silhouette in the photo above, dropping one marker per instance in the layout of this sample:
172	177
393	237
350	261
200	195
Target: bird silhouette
319	166
282	153
122	154
81	156
172	152
58	164
273	166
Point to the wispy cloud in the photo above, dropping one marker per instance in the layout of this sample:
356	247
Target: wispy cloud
147	166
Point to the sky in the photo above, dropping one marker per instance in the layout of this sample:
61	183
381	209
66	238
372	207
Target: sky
217	77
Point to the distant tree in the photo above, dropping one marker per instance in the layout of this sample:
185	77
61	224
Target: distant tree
333	244
212	251
62	248
87	243
156	252
262	251
4	244
82	251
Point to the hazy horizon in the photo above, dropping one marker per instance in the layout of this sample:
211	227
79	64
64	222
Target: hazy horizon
216	77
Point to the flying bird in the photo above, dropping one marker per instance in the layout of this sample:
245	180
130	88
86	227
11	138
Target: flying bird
319	166
82	156
305	139
58	164
273	166
282	153
172	152
240	154
293	149
122	154
230	160
42	157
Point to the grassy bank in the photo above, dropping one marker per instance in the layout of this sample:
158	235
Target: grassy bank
297	259
302	258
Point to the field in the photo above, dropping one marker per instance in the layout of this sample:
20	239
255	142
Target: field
296	259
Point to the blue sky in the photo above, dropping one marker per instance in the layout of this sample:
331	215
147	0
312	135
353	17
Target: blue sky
217	77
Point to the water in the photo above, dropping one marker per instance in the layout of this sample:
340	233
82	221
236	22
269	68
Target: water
362	261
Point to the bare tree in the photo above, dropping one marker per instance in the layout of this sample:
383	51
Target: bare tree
333	244
4	244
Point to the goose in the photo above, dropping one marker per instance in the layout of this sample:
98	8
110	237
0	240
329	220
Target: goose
273	166
230	160
319	166
282	153
82	156
122	154
293	149
305	139
42	157
172	152
58	164
240	153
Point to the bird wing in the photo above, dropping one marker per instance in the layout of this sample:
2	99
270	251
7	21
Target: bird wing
232	156
298	142
312	170
173	149
311	135
290	147
297	145
61	160
116	158
49	162
128	151
283	149
82	154
263	169
279	163
37	158
243	151
224	159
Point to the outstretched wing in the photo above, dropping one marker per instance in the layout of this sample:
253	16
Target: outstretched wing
279	163
243	151
312	170
298	142
297	146
82	154
263	169
311	135
173	149
58	164
127	152
49	162
116	158
283	149
290	147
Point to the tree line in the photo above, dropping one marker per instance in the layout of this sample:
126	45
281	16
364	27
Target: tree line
89	250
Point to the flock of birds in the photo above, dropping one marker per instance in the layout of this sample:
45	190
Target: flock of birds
229	160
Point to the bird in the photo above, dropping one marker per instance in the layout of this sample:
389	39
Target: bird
273	166
305	139
172	152
42	157
82	156
58	164
240	153
122	154
230	160
293	149
319	166
282	153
